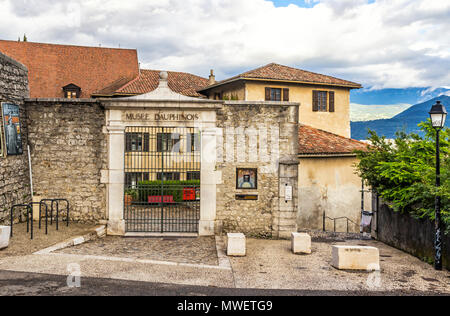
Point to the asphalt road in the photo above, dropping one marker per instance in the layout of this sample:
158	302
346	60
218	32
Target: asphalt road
29	284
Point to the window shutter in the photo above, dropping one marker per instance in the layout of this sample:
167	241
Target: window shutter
315	101
286	95
268	94
331	97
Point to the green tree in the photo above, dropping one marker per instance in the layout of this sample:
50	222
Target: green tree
403	171
25	39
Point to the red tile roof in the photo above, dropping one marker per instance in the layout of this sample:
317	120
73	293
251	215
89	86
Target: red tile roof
180	82
52	67
284	73
314	141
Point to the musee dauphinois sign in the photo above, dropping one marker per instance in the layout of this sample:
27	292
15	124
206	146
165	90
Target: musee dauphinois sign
162	117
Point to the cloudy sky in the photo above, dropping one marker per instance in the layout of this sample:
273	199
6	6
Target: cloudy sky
398	49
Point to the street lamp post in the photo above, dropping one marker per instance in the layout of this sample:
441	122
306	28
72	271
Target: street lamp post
438	115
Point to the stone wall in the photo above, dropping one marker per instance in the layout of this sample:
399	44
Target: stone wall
68	150
14	173
415	236
258	135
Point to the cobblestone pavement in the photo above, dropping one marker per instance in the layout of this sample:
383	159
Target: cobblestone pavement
200	250
21	244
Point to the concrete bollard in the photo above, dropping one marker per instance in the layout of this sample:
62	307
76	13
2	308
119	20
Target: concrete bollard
301	243
5	232
236	245
356	258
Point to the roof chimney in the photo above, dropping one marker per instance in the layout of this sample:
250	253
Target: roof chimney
212	78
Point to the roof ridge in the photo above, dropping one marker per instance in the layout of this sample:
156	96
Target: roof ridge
312	72
176	72
130	82
67	45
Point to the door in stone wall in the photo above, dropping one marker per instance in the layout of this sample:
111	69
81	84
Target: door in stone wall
162	179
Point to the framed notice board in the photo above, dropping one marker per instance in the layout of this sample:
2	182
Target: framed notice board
12	132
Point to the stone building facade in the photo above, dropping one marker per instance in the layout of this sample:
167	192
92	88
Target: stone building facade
68	152
260	135
14	172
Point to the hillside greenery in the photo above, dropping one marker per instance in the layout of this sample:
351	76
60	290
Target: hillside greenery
403	171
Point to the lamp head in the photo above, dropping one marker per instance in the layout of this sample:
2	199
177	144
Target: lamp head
438	115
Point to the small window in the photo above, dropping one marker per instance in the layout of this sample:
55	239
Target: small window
168	142
137	142
320	101
168	176
277	94
193	175
72	91
273	94
193	142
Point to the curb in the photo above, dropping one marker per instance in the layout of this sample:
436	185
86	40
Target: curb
98	232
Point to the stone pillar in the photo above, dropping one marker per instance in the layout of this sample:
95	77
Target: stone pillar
208	183
116	177
285	218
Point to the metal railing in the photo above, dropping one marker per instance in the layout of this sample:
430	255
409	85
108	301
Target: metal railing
348	221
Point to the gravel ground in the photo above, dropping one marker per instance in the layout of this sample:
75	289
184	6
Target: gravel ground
270	264
200	250
22	245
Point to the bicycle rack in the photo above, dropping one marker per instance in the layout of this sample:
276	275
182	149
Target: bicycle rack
40	214
29	210
43	203
57	210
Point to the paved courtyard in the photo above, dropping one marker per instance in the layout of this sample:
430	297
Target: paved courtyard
182	250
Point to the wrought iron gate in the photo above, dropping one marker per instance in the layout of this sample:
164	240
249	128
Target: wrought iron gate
162	179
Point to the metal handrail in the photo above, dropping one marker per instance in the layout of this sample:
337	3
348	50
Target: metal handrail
325	217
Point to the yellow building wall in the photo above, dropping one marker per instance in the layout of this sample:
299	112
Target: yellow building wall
337	122
232	91
330	185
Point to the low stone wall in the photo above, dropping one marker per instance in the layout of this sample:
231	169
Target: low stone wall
68	150
14	172
415	236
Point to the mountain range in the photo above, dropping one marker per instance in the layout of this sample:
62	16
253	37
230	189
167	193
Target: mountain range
406	120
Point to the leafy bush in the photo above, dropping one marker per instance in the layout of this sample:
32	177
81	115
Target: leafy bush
403	171
174	188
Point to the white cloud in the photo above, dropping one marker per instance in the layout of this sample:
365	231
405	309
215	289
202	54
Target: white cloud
386	44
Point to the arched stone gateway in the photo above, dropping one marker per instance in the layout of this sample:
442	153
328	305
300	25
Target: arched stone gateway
178	164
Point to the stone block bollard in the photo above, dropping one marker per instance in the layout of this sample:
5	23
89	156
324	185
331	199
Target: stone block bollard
356	258
5	232
236	245
301	243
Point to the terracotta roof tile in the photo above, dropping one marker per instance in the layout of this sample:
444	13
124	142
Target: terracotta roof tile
284	73
180	82
314	141
52	67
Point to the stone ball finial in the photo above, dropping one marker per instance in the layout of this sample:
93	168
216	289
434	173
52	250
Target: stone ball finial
163	75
